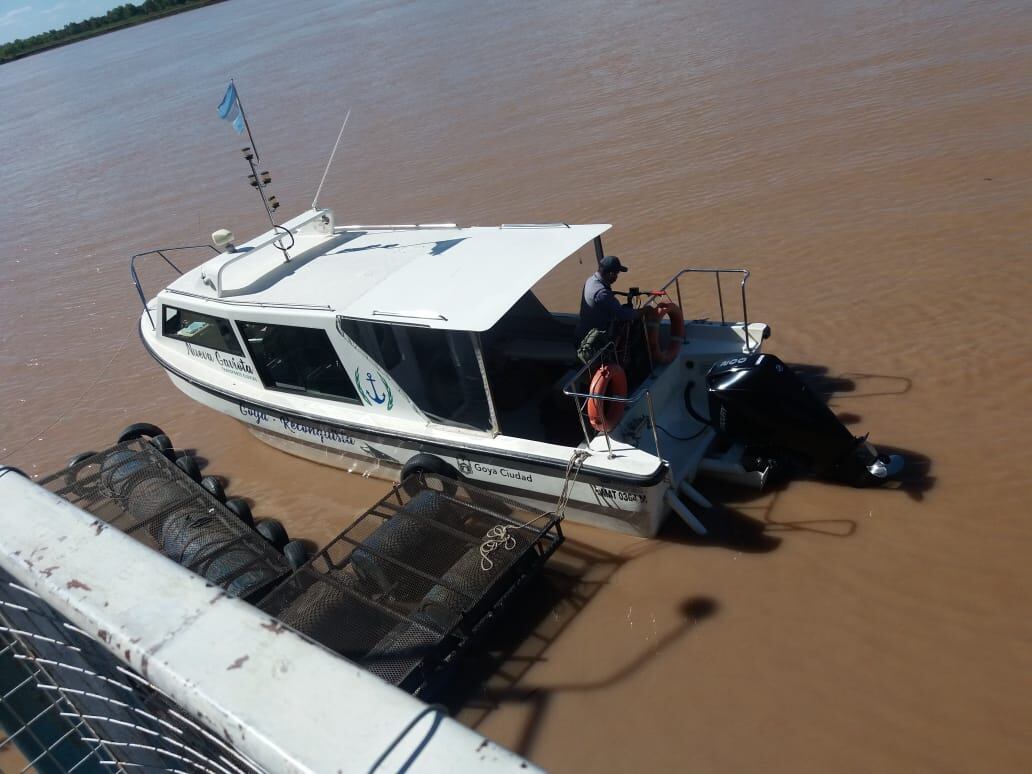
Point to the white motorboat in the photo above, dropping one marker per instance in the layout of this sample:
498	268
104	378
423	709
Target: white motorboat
382	349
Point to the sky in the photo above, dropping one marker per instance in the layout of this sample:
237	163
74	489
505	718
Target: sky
25	18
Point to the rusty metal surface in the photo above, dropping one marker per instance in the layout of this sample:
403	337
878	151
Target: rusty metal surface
256	686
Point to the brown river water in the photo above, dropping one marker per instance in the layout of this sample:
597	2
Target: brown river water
869	162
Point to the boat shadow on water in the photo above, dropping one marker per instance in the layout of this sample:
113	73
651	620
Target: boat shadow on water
840	390
493	675
744	520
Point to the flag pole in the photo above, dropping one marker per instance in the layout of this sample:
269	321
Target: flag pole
258	179
240	104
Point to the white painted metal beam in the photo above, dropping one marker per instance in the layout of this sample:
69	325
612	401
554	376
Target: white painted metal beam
283	701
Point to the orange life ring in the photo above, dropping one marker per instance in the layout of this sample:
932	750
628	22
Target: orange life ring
673	348
609	380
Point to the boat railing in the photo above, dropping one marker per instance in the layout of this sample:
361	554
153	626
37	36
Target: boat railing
161	252
581	399
675	281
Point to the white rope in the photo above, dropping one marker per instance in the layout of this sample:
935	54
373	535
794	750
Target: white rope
499	537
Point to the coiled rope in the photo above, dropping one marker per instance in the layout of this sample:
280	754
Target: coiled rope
499	537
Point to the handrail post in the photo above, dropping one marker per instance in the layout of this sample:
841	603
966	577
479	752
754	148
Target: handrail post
720	297
139	291
645	340
580	416
652	423
745	314
161	252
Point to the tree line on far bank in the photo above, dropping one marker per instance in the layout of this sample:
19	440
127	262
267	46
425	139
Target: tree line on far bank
122	16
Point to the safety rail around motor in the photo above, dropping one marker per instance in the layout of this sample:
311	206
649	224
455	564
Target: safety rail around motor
161	252
676	282
580	400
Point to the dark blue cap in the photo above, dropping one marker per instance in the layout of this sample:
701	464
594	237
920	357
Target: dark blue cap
611	263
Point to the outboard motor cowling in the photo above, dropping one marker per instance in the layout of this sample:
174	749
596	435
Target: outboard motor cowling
757	400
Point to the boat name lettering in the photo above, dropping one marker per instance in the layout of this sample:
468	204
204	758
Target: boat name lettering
465	466
256	415
619	494
229	363
324	434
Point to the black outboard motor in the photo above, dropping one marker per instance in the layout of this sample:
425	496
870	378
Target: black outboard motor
757	400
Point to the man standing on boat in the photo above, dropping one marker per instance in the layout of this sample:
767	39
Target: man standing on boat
599	307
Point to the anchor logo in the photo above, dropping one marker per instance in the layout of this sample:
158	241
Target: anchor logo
375	396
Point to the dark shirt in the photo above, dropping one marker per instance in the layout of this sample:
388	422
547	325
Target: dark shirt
599	307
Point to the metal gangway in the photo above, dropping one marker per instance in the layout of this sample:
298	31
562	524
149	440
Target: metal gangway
115	658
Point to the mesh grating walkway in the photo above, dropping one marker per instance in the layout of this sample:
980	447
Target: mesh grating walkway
411	583
68	705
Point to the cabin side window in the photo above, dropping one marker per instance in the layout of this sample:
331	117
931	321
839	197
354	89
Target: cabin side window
295	359
438	370
202	330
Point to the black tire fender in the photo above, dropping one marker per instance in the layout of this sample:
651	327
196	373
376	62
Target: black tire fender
189	466
140	430
273	531
296	553
428	463
163	444
241	510
213	486
82	457
72	476
121	471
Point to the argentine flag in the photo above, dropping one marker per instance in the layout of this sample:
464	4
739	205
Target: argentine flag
227	107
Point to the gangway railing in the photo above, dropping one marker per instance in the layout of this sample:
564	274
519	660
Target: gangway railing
161	252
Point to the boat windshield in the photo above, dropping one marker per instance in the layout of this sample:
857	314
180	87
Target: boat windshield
438	370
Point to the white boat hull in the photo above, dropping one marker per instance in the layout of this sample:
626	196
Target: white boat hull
602	501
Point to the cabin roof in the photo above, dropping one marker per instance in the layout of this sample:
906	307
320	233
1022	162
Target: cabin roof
436	276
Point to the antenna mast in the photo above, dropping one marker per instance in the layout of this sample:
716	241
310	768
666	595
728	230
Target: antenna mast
315	201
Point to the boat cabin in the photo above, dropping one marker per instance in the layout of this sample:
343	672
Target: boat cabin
430	322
